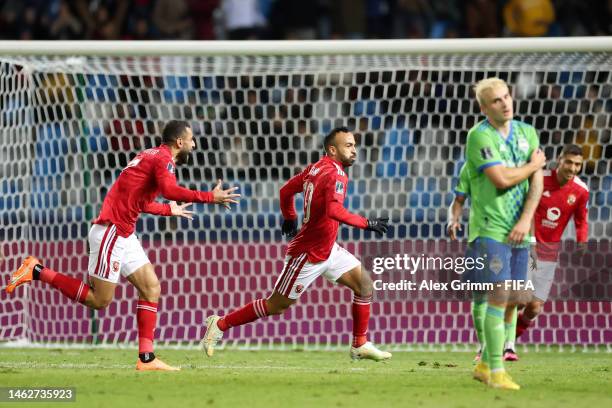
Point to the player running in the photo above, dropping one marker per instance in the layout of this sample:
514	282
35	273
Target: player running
313	251
565	195
114	249
502	154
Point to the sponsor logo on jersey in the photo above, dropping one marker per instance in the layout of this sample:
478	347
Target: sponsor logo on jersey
571	199
170	168
486	153
553	213
523	145
314	171
339	187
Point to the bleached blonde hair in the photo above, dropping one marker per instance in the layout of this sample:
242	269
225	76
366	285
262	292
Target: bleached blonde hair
485	84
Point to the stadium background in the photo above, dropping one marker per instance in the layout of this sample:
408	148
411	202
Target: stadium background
69	126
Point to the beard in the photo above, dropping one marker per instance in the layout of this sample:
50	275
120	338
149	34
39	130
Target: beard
182	157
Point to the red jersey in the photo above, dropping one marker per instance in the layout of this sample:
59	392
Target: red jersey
148	175
324	185
557	205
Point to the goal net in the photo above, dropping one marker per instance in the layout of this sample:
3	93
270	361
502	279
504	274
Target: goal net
68	125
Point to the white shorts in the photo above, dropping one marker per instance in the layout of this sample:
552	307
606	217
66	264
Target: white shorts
111	255
298	273
542	277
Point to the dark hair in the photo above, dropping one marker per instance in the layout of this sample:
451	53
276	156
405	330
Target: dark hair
331	136
571	149
174	130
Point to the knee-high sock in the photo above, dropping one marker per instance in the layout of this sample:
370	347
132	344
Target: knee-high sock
494	336
72	288
361	317
246	314
510	330
479	310
146	316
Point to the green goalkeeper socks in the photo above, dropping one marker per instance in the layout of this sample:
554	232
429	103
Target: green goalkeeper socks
510	328
494	336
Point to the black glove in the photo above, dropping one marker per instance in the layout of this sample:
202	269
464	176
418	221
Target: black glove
378	225
289	228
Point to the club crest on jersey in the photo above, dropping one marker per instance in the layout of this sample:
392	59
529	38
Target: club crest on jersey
486	153
546	193
170	168
115	266
299	288
339	187
571	199
523	145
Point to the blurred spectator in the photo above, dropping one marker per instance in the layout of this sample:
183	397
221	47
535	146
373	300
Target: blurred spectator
295	19
412	18
481	19
379	18
578	17
172	19
348	19
65	26
446	19
202	15
528	18
243	19
100	23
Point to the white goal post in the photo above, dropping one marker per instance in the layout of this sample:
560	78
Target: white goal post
72	114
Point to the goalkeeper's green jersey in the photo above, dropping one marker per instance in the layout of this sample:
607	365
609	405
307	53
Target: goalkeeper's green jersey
494	212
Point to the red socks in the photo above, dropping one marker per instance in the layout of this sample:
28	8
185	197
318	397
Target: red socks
72	288
522	324
246	314
146	316
361	317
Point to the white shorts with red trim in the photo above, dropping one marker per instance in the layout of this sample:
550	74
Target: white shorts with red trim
111	255
298	273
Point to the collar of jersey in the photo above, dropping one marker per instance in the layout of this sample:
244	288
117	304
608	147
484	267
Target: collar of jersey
507	140
166	149
334	161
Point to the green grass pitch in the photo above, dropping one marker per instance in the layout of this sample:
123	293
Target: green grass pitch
248	379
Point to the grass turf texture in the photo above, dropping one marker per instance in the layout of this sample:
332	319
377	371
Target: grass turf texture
248	379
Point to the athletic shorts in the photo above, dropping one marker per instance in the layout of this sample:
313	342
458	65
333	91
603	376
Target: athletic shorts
298	273
542	274
111	255
502	261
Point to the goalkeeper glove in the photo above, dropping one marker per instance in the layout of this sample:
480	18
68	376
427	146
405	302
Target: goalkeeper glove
378	225
289	228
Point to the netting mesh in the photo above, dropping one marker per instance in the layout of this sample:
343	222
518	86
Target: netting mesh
69	125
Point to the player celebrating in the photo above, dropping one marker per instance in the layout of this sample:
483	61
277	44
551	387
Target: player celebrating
502	154
565	195
313	251
115	250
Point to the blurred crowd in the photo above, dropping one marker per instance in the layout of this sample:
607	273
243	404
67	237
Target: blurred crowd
299	19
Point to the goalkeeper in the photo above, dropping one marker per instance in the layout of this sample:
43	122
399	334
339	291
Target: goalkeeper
115	250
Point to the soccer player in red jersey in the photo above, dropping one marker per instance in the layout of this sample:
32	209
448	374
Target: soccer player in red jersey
114	248
313	251
565	195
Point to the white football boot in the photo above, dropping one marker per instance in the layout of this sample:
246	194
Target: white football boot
212	336
369	351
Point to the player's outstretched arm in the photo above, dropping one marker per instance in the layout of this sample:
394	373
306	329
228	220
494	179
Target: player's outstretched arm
505	177
522	227
172	208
